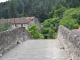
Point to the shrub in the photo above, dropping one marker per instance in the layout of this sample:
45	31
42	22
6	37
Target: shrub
34	32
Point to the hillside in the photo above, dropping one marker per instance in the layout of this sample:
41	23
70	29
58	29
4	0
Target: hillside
38	8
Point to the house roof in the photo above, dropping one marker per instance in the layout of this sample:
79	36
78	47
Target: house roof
76	31
22	20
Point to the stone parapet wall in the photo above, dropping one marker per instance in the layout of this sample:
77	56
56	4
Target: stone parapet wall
10	38
70	41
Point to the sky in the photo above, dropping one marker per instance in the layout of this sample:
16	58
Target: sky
3	0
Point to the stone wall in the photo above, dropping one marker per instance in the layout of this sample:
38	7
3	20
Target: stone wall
35	21
10	38
70	41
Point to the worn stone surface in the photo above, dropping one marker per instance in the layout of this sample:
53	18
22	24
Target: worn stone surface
10	38
37	50
71	42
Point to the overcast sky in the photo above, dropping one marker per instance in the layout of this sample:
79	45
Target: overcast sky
3	0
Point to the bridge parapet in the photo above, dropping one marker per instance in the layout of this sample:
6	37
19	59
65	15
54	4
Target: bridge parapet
12	37
70	41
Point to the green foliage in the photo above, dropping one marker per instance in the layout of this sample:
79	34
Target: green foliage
37	8
71	18
27	8
34	32
69	23
51	12
3	10
20	7
72	3
73	13
50	27
59	11
12	9
5	26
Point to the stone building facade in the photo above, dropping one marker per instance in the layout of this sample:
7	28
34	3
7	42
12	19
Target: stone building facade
22	22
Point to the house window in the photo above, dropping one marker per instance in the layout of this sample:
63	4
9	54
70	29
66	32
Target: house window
21	25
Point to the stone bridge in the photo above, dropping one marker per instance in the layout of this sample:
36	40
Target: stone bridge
18	44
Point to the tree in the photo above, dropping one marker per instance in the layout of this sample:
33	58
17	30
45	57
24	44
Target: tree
27	9
20	7
51	32
12	9
71	18
59	11
4	13
50	27
72	3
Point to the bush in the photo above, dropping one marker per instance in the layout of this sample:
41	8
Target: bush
34	32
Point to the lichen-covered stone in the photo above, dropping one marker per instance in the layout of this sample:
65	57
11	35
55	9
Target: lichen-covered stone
10	38
70	41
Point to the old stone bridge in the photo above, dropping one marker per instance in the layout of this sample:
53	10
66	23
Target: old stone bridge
18	44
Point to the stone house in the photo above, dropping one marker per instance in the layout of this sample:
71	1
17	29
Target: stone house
22	22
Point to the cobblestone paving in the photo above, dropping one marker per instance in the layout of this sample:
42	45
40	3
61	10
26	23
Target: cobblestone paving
37	50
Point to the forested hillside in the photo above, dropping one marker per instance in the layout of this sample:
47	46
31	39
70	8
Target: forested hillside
38	8
51	13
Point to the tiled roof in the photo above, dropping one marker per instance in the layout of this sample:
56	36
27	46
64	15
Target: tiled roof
76	31
22	20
